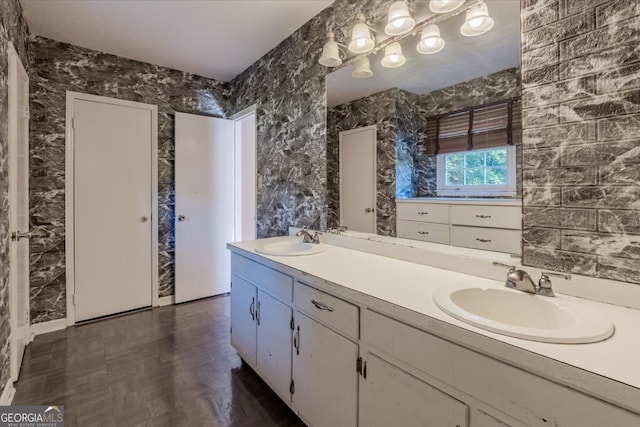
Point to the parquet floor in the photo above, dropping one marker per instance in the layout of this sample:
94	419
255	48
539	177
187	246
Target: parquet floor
170	366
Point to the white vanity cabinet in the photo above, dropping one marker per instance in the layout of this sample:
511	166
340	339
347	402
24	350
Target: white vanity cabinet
324	359
261	323
489	224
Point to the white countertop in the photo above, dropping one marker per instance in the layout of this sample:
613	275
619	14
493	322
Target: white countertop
411	286
463	201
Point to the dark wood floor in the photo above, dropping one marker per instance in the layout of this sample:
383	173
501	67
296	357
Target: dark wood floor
170	366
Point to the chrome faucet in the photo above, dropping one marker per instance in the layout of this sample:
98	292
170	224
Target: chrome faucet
520	280
338	230
307	238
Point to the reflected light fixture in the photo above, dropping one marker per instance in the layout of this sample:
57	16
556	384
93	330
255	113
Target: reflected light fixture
330	52
444	6
361	39
477	21
399	19
393	56
430	40
362	69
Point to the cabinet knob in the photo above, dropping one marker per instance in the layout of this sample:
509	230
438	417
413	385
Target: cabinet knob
144	218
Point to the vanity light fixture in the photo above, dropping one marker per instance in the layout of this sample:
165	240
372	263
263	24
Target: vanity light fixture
393	56
331	52
399	19
477	21
361	38
444	6
430	40
362	69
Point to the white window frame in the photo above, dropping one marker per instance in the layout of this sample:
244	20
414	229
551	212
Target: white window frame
508	189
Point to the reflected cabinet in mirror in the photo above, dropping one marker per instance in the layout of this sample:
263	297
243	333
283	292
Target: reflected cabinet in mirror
431	149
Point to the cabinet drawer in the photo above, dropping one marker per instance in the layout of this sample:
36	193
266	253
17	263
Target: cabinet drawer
335	312
271	281
427	231
491	239
487	216
430	212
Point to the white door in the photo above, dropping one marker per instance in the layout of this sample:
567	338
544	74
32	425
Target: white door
18	209
391	397
324	370
358	179
204	205
274	343
243	319
112	202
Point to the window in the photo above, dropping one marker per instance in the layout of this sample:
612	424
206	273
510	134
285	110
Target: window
475	149
488	172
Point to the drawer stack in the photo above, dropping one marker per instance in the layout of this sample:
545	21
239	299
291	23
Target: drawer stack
494	226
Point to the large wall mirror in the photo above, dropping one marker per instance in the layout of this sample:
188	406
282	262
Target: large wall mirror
420	117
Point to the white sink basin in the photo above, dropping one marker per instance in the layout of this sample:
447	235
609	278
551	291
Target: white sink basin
523	315
291	248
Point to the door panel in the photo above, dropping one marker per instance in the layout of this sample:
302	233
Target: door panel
204	205
243	319
112	208
390	396
274	343
358	179
324	367
18	133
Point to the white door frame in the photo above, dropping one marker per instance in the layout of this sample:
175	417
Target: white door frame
69	194
252	110
15	67
374	178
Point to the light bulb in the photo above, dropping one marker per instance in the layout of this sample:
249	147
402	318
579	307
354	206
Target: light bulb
431	41
398	23
476	22
393	57
361	42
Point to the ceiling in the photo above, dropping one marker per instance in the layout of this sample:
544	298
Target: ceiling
462	59
216	39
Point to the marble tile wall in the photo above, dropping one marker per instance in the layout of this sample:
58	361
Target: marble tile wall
57	67
14	29
581	136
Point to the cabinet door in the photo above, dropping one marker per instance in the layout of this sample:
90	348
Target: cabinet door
243	325
274	343
324	371
392	397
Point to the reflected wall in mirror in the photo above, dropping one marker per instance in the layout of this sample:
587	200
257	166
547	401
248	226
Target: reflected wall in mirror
403	102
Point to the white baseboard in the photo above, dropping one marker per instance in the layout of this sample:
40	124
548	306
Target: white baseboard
169	300
7	394
50	326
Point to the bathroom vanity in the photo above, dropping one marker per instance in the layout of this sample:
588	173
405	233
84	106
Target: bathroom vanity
352	338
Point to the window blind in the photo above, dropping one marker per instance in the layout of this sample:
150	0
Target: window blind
478	128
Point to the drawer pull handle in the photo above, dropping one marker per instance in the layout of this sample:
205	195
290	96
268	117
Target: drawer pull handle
296	341
252	308
423	213
483	216
483	240
423	232
321	306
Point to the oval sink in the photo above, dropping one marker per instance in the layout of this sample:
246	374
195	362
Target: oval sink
523	315
291	248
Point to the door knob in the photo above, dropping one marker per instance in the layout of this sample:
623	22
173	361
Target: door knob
368	210
144	218
17	235
182	218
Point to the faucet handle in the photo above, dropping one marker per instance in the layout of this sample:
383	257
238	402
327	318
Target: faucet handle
562	275
510	267
316	237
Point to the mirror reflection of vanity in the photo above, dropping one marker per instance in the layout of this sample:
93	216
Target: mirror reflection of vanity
446	139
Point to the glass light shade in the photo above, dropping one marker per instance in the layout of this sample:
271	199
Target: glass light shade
393	56
362	69
430	40
477	21
444	6
330	54
361	40
399	19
